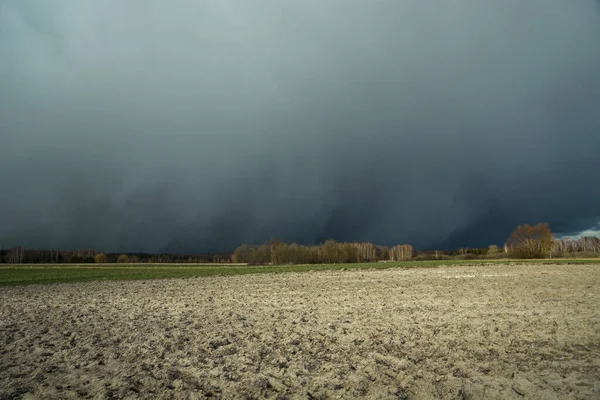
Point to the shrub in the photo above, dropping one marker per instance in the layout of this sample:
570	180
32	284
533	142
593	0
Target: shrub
493	249
123	258
496	256
431	257
100	258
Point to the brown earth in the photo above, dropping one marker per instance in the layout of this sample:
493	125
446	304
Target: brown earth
452	332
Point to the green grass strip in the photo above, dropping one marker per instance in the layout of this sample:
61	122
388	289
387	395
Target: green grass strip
44	274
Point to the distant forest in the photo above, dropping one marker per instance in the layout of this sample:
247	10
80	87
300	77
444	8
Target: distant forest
525	242
19	255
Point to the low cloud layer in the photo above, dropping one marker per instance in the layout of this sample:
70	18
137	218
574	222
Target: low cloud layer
197	125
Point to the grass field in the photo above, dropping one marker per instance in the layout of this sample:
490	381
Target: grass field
32	274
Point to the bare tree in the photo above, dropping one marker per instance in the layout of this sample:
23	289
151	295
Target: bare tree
528	241
401	252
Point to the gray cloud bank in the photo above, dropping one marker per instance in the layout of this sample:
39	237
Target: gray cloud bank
148	125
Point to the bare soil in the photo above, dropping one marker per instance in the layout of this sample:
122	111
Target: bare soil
451	332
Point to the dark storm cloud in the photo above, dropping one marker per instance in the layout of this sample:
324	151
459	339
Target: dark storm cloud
197	125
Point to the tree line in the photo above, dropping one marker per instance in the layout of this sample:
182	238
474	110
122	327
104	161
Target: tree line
586	244
526	241
20	255
330	252
537	241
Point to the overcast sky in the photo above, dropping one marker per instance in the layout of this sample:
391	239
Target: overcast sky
196	125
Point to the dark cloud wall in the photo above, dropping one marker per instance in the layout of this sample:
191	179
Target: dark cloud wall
198	125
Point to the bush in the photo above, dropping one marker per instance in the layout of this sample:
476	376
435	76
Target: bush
582	255
496	256
100	258
493	249
123	258
431	257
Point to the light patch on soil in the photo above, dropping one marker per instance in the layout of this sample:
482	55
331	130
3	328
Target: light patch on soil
497	332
